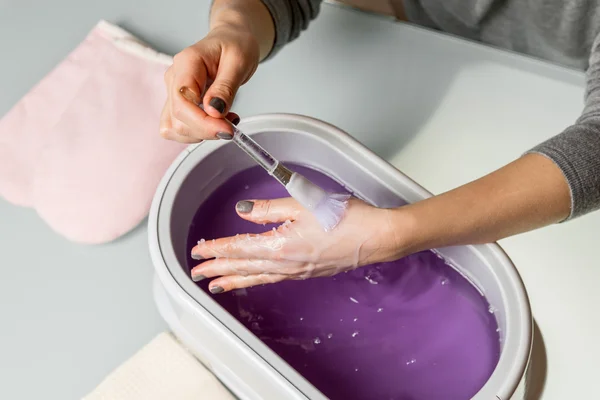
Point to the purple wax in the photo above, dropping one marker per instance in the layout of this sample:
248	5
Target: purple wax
413	329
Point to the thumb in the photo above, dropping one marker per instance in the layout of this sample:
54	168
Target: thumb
219	96
268	211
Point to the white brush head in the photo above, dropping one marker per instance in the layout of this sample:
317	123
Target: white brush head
332	210
328	208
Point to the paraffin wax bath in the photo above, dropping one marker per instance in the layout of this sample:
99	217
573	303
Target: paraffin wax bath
413	329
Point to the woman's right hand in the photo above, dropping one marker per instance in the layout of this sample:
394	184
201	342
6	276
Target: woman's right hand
212	70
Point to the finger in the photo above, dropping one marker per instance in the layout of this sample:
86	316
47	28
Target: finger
227	283
230	76
176	131
188	70
165	126
186	80
180	134
192	97
201	125
266	246
244	267
269	211
170	135
168	78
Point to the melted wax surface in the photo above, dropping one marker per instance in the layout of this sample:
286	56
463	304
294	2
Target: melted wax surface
413	329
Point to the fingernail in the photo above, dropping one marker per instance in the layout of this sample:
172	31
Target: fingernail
197	256
224	135
236	120
216	289
244	206
198	278
189	95
218	104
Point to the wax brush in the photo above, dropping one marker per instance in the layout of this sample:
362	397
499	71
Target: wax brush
328	208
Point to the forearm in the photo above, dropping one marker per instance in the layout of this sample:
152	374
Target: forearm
251	15
557	180
529	193
576	150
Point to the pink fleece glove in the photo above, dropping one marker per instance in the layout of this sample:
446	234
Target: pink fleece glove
83	147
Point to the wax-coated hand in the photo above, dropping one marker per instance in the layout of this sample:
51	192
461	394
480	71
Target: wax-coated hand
210	72
298	249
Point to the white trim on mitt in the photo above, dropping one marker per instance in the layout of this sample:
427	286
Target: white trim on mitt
131	44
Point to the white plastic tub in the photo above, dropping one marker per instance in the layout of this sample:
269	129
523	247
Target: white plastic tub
246	365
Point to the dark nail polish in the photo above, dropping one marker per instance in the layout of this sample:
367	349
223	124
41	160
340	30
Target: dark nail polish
197	257
244	206
224	135
216	290
218	104
236	120
198	278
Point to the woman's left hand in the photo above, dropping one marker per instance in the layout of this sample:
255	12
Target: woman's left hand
529	193
299	248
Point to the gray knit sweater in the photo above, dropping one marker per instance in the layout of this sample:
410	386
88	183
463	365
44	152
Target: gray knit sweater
563	31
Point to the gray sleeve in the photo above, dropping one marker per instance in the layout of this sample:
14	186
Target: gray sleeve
290	18
576	151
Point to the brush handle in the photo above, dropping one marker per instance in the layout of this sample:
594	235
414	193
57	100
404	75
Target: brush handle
254	150
249	146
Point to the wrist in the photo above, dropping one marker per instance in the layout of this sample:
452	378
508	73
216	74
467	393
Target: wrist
251	18
229	17
404	233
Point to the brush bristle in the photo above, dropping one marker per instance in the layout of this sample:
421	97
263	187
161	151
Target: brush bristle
331	210
328	208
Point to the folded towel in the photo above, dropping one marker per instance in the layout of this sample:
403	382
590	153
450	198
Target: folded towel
162	370
83	146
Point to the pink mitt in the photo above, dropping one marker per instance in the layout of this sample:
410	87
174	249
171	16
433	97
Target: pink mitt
83	146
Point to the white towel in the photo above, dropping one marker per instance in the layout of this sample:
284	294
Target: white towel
162	370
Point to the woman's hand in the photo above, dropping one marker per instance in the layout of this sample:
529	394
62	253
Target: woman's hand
211	71
228	56
529	193
299	248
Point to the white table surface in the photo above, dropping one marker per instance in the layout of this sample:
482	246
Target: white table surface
443	110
